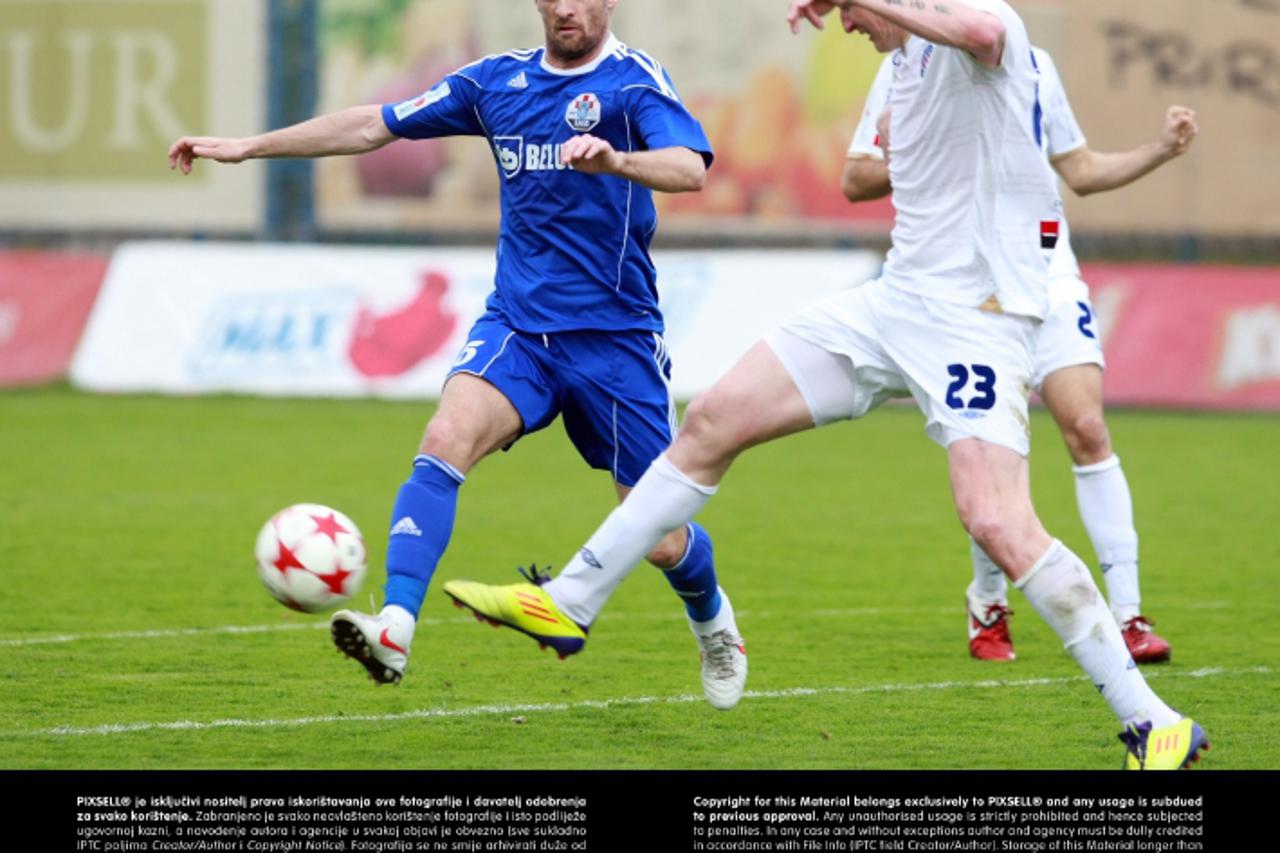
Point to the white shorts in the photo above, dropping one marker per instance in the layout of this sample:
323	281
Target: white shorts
968	370
1069	335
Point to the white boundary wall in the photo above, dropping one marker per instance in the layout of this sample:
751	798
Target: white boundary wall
290	320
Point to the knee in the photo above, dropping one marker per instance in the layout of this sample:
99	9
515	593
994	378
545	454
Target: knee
988	526
700	417
453	440
708	427
668	553
1087	438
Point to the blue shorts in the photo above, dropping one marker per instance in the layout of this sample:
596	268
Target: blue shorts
611	387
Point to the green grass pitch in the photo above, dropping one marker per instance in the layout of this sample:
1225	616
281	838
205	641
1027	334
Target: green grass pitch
135	633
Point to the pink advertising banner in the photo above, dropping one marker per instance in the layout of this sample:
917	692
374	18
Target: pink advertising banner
1196	337
45	299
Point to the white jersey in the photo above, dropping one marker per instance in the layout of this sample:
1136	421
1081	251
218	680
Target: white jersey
1061	135
975	203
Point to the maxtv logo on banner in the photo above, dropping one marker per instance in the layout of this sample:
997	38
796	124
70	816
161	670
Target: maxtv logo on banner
288	320
300	332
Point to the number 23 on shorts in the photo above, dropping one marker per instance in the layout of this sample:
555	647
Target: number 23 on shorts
984	386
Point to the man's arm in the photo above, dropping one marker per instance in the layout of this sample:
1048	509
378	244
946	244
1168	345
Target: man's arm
1087	171
351	131
670	170
947	22
865	179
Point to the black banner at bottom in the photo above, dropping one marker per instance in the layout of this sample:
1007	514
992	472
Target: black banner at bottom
761	811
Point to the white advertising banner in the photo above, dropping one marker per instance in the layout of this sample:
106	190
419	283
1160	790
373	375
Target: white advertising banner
294	320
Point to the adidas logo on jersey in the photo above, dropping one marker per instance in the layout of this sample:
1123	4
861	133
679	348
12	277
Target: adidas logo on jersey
519	81
405	527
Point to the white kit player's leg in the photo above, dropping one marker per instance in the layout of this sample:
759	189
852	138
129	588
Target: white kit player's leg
755	402
663	500
987	609
785	384
989	583
991	488
1074	396
1106	507
1062	591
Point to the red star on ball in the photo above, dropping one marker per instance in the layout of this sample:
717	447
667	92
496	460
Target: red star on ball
329	526
286	560
335	581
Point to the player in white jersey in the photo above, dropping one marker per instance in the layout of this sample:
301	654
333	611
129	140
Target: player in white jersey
1069	360
951	322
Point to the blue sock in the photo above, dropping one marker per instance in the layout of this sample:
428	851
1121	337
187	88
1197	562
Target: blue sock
421	524
694	577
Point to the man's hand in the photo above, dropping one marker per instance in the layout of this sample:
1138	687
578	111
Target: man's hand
1087	171
1180	129
591	155
811	10
185	151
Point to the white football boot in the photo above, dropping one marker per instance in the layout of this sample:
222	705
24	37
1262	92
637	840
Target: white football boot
378	643
724	657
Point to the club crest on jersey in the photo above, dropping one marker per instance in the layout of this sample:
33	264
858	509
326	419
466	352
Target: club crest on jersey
510	153
583	113
924	60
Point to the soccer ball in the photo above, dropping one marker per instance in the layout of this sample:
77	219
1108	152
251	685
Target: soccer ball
310	557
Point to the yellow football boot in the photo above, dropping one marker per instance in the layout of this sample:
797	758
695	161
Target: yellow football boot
523	606
1172	747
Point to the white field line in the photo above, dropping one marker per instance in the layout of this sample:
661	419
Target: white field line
594	704
304	626
157	634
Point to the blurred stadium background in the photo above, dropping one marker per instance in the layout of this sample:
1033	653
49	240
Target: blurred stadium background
359	277
95	92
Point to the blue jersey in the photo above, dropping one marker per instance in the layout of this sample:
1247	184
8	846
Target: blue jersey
573	249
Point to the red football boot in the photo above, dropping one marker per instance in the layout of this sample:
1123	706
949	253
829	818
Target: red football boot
1144	644
989	629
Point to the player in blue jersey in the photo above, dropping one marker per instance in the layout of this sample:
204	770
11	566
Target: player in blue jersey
582	130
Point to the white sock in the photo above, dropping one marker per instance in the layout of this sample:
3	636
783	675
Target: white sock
1106	507
989	583
1062	591
722	620
663	500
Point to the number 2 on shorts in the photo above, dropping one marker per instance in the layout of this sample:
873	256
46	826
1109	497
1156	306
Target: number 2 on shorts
1085	324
